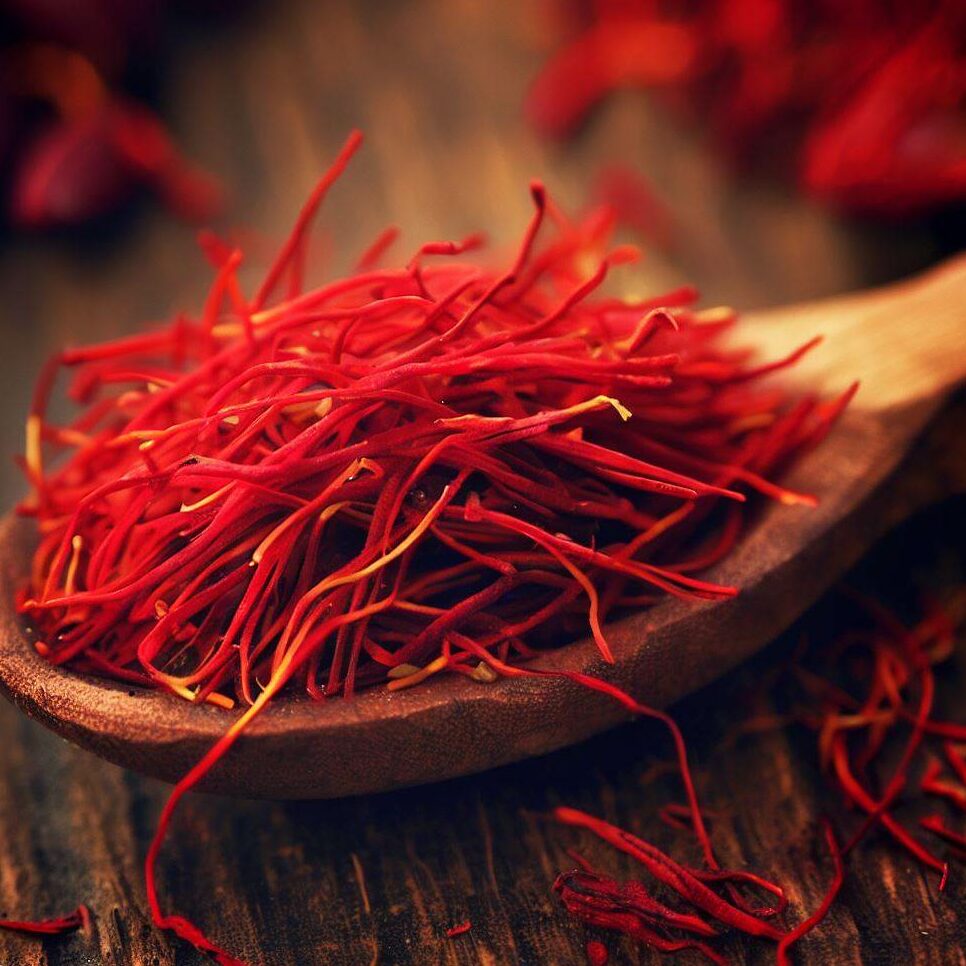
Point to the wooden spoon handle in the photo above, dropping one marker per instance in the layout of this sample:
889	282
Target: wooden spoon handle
904	342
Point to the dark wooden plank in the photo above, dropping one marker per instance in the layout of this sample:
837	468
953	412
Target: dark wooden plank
437	86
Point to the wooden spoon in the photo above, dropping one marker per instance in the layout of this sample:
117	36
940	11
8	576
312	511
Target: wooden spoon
888	456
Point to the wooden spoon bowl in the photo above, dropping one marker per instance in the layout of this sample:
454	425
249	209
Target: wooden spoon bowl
895	450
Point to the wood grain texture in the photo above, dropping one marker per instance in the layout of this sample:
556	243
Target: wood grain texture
437	86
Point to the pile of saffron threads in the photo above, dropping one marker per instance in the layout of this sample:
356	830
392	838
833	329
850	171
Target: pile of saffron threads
868	98
868	695
439	468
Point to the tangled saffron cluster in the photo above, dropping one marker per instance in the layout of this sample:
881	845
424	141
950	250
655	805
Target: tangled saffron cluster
435	468
408	467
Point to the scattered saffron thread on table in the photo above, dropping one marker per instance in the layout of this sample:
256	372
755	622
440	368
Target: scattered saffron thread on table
853	733
597	954
894	665
80	918
406	472
459	929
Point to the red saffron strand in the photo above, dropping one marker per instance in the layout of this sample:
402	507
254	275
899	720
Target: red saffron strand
672	874
835	886
900	775
304	220
79	919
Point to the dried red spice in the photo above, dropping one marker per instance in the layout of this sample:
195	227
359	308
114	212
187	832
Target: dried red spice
80	918
459	929
870	97
404	472
702	913
627	908
597	954
856	692
859	693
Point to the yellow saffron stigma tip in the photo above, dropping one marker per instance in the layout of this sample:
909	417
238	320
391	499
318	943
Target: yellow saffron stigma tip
484	673
791	498
220	700
620	408
401	671
35	427
419	675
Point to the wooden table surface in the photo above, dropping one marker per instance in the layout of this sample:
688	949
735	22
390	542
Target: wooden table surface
265	101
